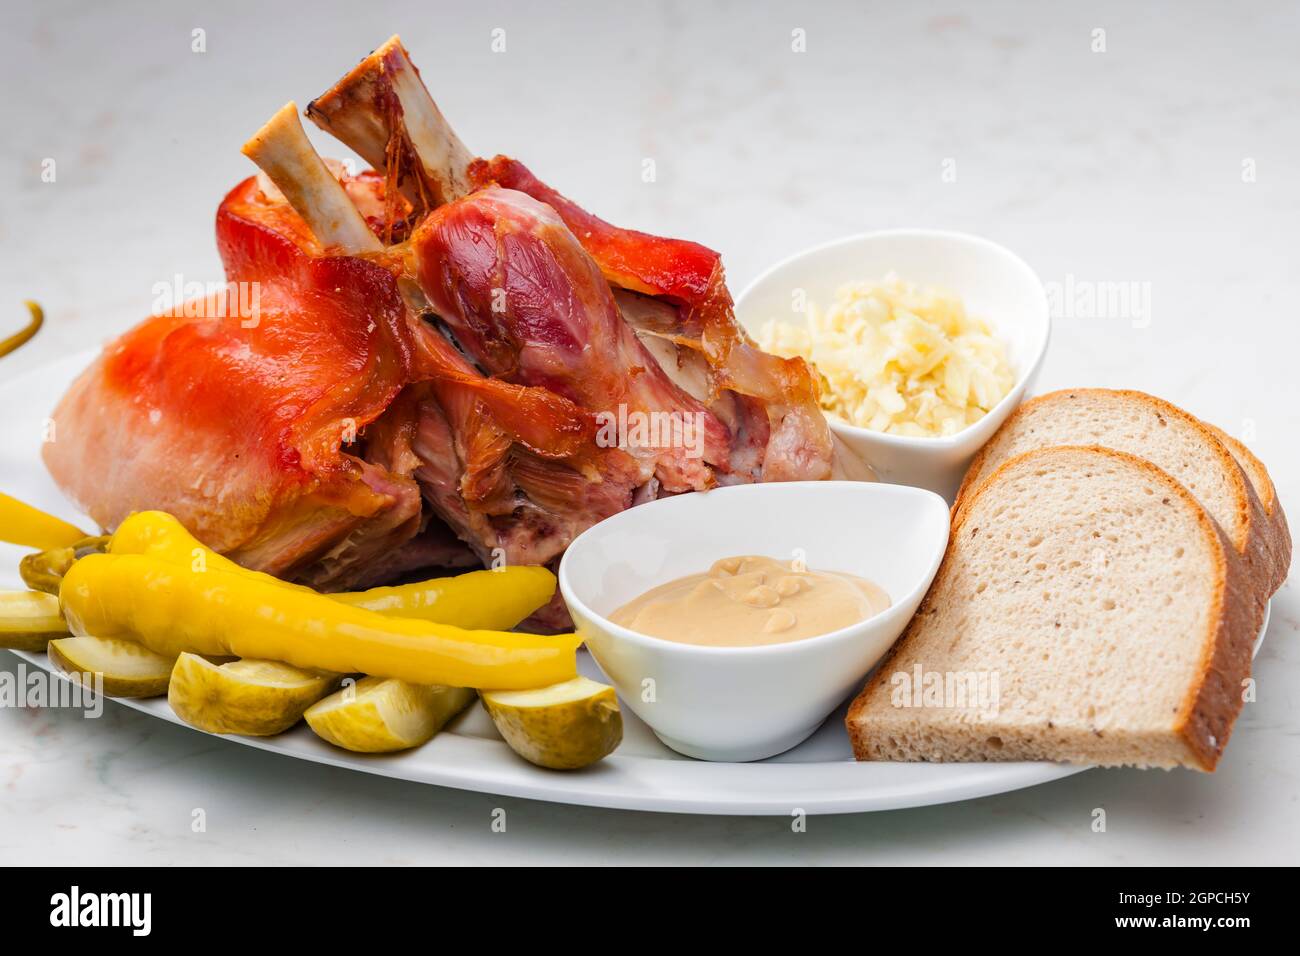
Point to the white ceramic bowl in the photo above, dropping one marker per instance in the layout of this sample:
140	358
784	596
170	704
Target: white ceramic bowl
995	284
747	703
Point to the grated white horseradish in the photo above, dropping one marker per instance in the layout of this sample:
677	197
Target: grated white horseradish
898	359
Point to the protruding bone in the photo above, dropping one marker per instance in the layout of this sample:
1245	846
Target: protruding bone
383	111
282	151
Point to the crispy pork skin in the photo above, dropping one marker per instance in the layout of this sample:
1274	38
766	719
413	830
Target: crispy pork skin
239	424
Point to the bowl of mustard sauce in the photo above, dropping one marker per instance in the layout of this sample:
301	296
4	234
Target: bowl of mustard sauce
734	621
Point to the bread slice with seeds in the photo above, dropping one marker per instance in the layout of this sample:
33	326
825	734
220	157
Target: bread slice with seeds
1098	601
1169	437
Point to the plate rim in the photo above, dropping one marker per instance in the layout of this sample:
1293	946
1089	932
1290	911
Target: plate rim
643	783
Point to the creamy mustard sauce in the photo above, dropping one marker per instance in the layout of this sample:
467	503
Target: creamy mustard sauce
745	601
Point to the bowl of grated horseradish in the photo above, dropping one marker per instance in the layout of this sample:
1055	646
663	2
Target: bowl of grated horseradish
923	343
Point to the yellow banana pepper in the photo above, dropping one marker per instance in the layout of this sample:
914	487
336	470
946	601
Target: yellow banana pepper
478	599
169	609
30	527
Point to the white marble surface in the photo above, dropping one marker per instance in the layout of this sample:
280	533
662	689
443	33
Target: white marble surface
1114	166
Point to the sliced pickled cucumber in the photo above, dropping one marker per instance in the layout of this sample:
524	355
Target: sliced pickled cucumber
380	715
564	726
256	698
129	669
29	620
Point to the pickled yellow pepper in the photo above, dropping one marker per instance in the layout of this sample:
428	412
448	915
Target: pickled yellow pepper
30	527
170	608
477	599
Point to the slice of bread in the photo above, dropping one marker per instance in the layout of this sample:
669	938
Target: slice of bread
1169	437
1101	610
1279	539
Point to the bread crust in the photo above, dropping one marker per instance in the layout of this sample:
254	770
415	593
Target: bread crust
1265	544
1214	697
1279	538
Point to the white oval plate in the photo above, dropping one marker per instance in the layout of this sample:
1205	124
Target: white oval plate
819	776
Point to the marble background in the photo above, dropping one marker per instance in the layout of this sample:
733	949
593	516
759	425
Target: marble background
1170	159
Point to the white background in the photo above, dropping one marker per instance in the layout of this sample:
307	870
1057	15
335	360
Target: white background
1123	165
